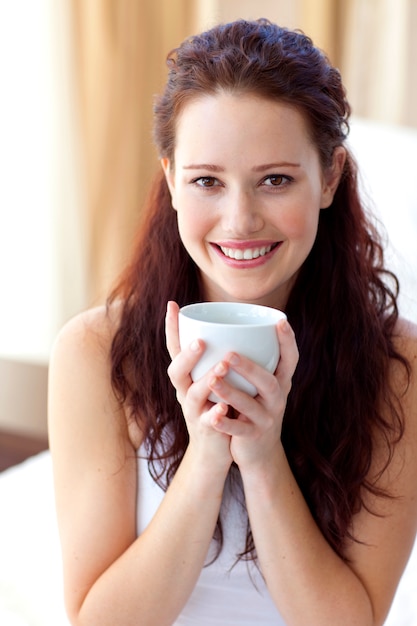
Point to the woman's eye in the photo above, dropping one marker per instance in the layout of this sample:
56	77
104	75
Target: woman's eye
275	180
206	181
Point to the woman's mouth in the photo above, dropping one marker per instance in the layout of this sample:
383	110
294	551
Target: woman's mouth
244	255
247	254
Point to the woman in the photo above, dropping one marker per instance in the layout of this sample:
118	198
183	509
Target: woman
294	507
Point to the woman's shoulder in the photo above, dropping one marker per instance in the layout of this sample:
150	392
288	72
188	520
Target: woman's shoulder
90	330
81	364
404	380
82	349
406	327
405	340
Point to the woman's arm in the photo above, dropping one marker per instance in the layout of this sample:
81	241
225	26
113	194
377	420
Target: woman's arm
307	580
111	576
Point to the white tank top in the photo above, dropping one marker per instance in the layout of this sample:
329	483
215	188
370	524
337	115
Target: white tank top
226	594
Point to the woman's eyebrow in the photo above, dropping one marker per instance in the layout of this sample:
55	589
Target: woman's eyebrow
257	168
204	166
269	166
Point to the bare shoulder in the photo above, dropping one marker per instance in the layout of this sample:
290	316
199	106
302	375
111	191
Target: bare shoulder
88	333
405	382
80	360
79	373
405	338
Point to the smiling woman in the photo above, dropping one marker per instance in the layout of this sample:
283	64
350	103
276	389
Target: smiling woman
296	505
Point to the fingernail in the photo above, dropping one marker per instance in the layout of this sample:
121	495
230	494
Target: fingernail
234	359
195	346
215	383
220	368
285	327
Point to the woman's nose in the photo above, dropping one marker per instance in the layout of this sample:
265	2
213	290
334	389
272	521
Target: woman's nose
241	214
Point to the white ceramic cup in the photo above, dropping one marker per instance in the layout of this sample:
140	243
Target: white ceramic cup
247	329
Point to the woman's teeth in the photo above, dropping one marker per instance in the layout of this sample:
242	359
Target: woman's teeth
245	255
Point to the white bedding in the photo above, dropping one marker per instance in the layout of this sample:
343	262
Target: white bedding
30	562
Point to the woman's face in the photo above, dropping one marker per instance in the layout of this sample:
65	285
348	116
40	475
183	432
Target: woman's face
248	188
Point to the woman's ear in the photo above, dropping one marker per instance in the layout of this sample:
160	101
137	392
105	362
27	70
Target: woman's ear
332	176
169	177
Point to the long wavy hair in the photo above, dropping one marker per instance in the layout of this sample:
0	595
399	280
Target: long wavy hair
342	307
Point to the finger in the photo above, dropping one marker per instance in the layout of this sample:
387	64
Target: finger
264	382
234	427
179	370
288	351
171	329
243	403
201	389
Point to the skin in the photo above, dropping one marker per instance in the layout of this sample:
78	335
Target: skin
112	576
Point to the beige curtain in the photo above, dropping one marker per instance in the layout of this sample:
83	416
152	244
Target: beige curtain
378	57
120	48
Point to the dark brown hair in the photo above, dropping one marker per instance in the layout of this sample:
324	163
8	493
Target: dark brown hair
342	307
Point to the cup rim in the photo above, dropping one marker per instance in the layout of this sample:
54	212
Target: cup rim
271	316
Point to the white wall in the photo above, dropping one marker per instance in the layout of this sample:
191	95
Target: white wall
41	252
387	159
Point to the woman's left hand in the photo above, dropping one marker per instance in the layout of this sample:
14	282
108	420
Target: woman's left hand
256	429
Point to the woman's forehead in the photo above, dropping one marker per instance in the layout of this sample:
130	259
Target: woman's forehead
213	123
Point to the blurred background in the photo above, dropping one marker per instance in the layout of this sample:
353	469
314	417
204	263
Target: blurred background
76	153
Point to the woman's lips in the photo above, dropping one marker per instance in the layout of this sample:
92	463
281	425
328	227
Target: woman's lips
245	255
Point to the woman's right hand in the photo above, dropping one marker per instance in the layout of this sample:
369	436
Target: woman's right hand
199	413
113	575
